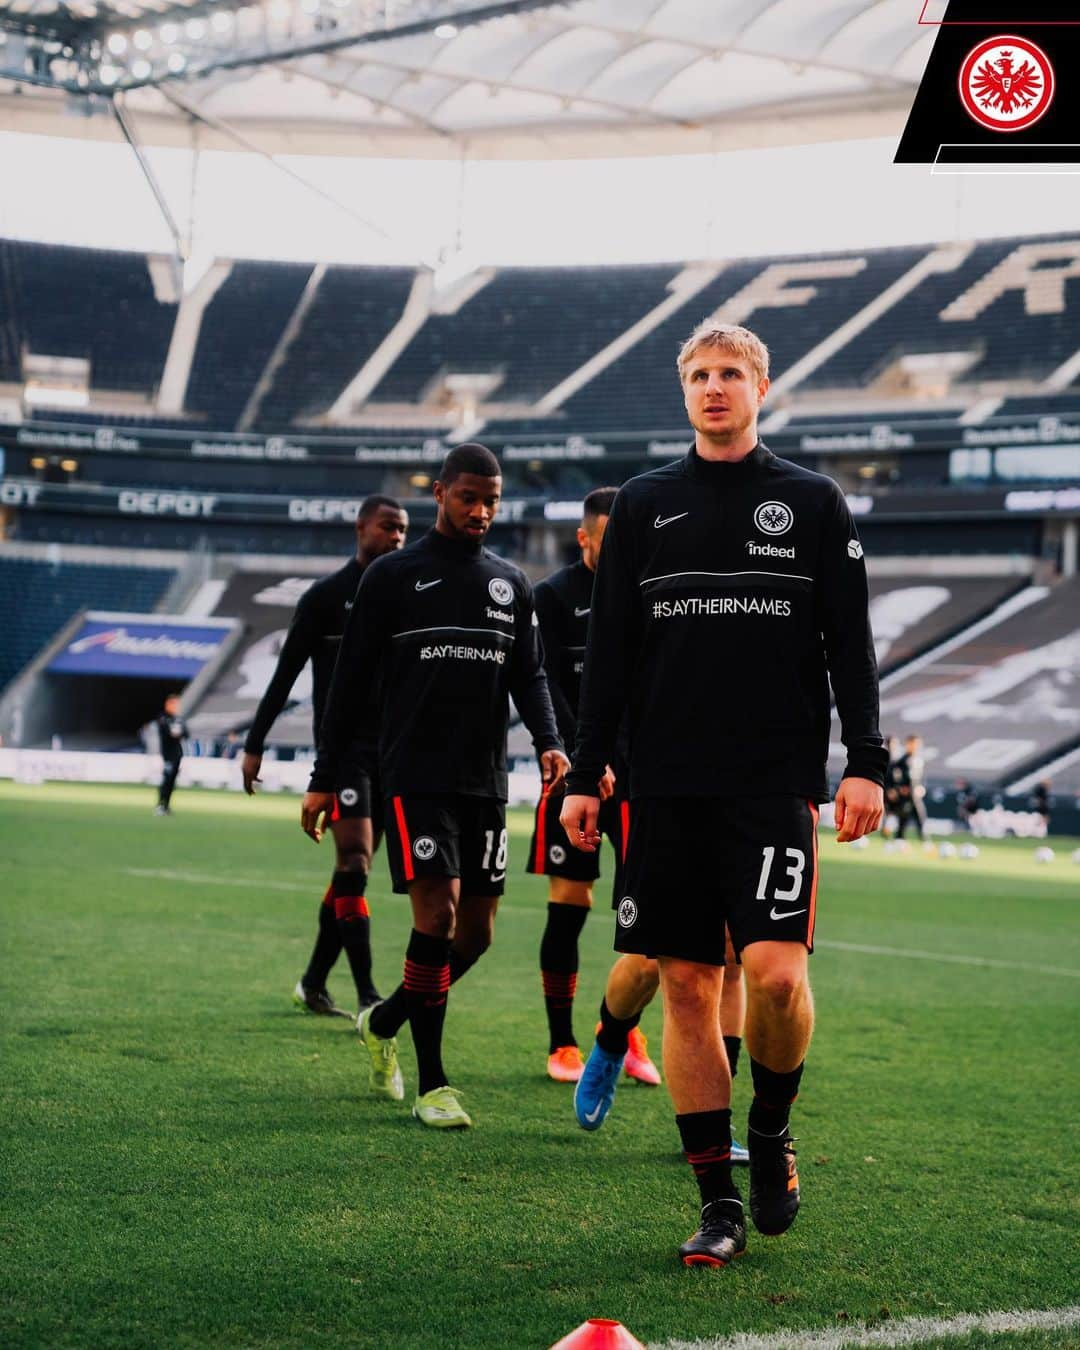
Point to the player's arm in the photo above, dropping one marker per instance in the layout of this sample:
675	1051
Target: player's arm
351	688
553	648
295	652
610	648
530	692
843	608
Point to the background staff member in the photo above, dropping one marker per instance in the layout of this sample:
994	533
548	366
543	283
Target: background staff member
171	729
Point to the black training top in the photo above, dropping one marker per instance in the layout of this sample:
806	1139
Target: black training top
171	733
452	632
563	601
314	635
726	597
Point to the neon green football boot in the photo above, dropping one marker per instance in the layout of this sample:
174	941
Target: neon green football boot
441	1109
386	1077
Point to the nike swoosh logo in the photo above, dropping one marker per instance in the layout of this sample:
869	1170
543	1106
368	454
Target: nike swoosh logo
500	877
786	914
660	522
348	604
590	1116
580	612
426	585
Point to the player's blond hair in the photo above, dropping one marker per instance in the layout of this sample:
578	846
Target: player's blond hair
728	337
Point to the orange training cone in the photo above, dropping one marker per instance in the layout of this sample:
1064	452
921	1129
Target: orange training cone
599	1333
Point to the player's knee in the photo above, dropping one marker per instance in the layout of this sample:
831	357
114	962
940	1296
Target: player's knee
781	986
689	990
356	859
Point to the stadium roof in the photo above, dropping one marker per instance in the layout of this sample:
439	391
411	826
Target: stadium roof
453	77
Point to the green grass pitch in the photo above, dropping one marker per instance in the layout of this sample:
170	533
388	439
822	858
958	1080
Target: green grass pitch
187	1161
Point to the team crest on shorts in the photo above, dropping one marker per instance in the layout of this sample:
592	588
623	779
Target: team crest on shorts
774	518
557	854
424	847
348	796
500	591
627	912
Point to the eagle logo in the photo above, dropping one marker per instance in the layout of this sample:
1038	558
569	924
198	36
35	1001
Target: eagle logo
774	518
1006	83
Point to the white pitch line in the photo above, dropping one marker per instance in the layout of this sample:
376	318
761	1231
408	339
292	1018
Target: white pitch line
202	879
948	957
910	1331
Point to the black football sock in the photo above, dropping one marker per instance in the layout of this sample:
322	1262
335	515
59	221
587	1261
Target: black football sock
327	947
614	1033
427	978
773	1095
733	1044
354	928
558	970
392	1014
706	1141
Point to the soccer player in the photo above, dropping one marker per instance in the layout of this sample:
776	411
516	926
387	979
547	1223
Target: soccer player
562	609
730	590
314	635
443	633
171	730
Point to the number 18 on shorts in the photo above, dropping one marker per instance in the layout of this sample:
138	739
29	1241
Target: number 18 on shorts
463	837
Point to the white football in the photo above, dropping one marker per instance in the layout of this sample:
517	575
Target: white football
860	843
946	850
1044	855
968	851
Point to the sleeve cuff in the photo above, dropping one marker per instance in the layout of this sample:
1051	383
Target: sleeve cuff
869	762
581	783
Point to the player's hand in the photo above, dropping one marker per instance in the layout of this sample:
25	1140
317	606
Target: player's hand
554	767
316	806
607	784
578	818
859	808
249	767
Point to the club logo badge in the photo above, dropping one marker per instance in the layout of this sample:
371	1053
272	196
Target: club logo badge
1006	83
774	518
424	847
557	854
500	591
627	912
348	796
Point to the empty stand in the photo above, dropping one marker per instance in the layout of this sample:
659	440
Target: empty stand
38	598
239	330
910	615
94	304
353	311
1000	698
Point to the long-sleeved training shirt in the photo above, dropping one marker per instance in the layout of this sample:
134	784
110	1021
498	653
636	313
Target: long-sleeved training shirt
441	633
314	635
563	601
726	598
171	733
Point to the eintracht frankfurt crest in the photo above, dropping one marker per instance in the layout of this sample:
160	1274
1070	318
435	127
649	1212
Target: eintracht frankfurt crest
1006	83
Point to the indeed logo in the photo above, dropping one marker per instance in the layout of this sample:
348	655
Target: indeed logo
768	550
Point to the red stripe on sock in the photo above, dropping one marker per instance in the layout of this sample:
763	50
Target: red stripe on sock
426	979
351	907
557	985
403	835
710	1157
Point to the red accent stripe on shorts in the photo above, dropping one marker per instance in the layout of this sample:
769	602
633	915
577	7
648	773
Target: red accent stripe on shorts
335	814
351	907
541	832
813	889
403	835
624	819
559	985
426	979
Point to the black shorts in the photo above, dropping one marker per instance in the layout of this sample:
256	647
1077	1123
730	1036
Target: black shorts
694	864
461	837
552	855
358	790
